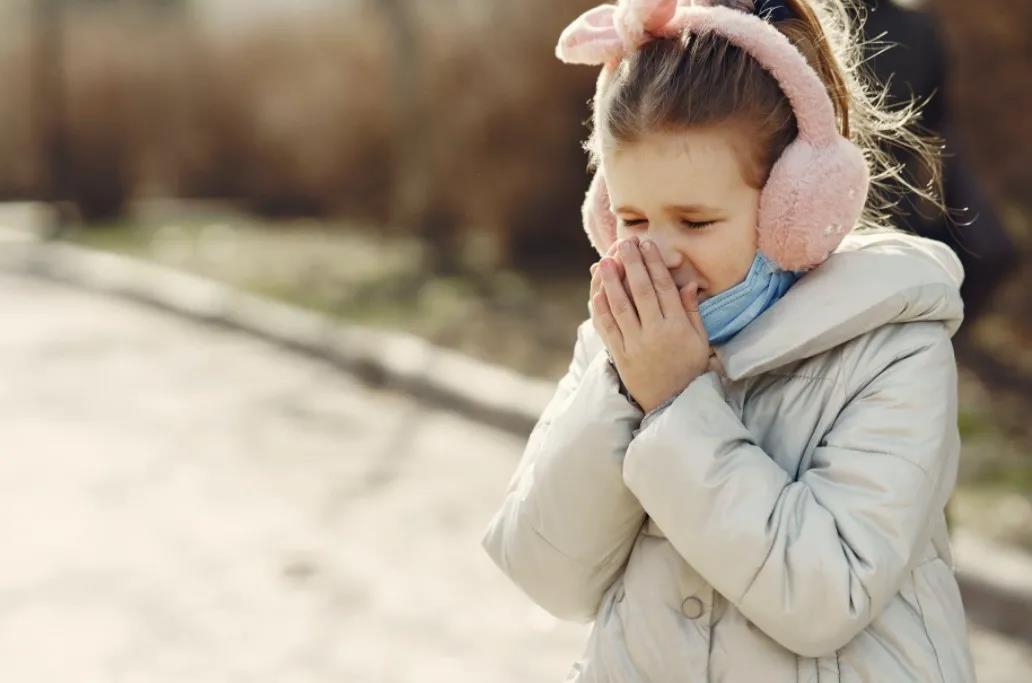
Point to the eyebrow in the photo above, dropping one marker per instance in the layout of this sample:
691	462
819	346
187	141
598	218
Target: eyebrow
701	208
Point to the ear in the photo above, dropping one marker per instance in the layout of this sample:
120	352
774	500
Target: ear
591	38
651	15
599	219
636	20
813	197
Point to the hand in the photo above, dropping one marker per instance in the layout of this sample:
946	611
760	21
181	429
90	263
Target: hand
596	276
653	330
596	286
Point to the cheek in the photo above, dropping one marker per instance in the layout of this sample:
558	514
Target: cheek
744	264
744	244
726	261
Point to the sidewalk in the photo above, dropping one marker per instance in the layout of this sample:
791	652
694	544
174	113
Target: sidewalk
213	507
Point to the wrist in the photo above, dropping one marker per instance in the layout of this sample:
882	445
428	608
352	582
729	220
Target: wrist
647	405
621	387
652	404
658	408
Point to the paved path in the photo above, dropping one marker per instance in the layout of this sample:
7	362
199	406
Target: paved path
186	503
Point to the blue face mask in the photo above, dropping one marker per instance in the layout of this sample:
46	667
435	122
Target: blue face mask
725	314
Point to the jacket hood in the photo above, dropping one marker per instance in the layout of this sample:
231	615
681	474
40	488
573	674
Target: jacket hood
872	279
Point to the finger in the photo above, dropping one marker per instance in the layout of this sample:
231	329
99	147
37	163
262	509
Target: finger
593	269
666	290
614	253
596	275
690	298
621	268
604	321
640	282
620	304
596	283
596	280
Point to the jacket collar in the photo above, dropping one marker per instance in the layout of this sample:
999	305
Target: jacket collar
873	278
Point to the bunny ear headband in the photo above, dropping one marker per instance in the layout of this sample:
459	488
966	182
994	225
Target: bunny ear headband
818	186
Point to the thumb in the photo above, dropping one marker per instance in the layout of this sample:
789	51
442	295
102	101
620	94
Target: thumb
689	297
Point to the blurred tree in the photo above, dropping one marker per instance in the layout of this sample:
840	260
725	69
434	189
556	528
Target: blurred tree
132	4
413	206
88	175
48	100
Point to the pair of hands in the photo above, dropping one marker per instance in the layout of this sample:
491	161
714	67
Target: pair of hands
652	329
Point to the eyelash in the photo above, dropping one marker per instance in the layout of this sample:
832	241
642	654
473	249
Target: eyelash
691	224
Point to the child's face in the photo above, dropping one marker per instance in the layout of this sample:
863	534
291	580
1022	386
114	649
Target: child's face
649	179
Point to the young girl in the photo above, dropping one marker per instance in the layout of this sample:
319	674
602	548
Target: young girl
743	475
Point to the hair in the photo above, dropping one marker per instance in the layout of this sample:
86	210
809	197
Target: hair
698	81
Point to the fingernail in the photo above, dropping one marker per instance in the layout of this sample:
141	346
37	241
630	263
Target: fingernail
593	268
646	245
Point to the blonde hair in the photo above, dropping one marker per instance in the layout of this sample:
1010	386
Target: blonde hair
691	81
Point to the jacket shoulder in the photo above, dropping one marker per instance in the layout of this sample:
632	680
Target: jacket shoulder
925	343
855	362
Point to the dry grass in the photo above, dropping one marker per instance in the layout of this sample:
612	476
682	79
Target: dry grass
300	117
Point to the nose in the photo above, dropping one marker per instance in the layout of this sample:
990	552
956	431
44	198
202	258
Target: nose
676	260
672	256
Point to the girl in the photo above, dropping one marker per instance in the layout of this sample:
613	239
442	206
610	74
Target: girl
743	475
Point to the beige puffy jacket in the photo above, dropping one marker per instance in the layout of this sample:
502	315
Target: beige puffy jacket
780	521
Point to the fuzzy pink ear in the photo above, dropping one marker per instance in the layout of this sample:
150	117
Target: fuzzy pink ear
591	38
655	14
599	220
636	18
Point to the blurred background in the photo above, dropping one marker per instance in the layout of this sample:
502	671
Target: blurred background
417	166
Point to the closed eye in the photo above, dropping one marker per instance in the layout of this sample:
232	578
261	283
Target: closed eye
690	224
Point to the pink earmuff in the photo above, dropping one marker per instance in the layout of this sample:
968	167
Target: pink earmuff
817	188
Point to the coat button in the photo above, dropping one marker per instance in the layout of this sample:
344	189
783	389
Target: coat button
691	607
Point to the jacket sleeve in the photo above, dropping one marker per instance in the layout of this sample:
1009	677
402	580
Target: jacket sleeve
567	522
811	561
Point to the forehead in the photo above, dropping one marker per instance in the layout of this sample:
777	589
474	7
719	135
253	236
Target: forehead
685	167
